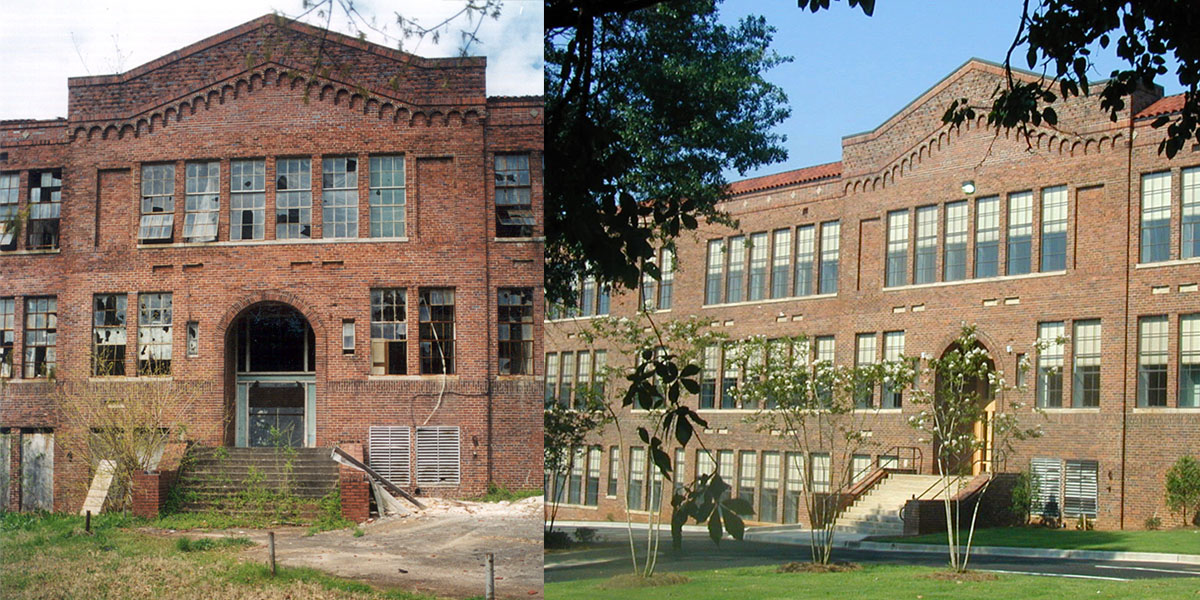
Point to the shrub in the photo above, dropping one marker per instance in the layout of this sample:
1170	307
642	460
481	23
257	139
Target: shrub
1023	493
1183	488
556	540
1153	523
585	535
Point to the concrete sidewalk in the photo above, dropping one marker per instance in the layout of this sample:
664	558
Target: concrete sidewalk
800	537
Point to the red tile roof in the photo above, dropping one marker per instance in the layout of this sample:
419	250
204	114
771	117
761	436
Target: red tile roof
1163	106
766	182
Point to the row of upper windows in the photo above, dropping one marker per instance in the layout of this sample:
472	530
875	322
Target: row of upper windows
1160	211
155	333
248	200
812	264
954	220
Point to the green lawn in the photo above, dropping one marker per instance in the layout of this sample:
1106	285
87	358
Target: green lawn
1177	541
883	582
50	556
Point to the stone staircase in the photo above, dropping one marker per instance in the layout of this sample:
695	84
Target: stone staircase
238	480
877	512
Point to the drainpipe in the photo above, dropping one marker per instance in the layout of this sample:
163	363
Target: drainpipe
1128	274
489	302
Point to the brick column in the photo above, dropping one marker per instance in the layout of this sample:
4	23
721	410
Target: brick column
355	488
147	496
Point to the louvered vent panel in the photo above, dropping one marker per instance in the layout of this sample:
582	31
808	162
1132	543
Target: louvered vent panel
1047	472
390	452
438	456
1079	493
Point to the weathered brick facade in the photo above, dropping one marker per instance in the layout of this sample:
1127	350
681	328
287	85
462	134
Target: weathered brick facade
245	94
913	161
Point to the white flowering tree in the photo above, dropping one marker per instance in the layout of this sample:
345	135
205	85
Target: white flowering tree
819	407
968	391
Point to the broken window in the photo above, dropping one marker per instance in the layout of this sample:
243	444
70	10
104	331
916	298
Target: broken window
436	330
7	308
41	336
154	334
247	199
347	336
389	332
45	203
10	189
516	331
514	207
158	204
387	196
293	198
108	334
193	338
202	201
274	338
339	197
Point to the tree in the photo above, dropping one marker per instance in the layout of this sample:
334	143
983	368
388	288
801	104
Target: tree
1183	488
563	430
967	390
126	422
819	406
637	147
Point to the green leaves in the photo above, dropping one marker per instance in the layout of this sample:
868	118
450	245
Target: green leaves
708	501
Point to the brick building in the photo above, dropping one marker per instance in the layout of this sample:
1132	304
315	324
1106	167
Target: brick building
1083	231
326	252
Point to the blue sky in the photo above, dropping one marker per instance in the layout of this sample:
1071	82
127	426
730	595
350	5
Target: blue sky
851	72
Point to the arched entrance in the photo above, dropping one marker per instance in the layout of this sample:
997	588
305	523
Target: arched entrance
981	409
271	353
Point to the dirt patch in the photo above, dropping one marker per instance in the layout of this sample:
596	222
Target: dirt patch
630	581
437	551
810	567
960	577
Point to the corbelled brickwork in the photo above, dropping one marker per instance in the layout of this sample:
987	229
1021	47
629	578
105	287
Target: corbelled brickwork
914	161
244	94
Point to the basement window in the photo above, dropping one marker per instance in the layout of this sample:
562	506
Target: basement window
45	204
389	332
438	456
389	452
158	204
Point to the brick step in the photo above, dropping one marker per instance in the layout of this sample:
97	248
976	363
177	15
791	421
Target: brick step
209	472
235	487
304	511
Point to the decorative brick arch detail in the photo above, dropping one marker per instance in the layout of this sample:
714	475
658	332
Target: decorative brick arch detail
982	337
273	296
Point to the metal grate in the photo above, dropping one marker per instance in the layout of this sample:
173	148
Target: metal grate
390	453
1047	472
1079	493
438	456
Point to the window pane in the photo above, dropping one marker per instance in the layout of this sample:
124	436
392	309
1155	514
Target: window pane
830	245
987	237
1054	229
781	253
955	255
1020	233
1086	387
1050	363
1152	361
897	249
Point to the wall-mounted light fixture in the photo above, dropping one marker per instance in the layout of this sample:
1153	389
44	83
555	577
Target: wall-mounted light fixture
968	187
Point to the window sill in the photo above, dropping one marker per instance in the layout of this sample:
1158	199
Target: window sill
572	319
230	243
587	506
519	240
126	378
1169	263
29	252
728	411
1070	410
521	377
770	300
886	411
936	284
409	377
1195	410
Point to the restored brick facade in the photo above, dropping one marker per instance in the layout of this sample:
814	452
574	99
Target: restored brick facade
913	161
244	94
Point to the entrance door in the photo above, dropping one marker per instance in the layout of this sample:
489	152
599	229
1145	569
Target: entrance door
982	460
37	471
275	377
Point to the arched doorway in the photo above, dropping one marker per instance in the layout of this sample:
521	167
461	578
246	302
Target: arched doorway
271	352
982	408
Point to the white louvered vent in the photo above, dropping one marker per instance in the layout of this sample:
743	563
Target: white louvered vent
1047	472
390	452
1079	493
438	456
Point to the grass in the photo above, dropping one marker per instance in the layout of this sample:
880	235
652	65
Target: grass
498	493
873	581
50	556
1175	541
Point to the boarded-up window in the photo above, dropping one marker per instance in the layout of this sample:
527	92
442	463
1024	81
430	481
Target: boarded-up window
5	475
37	471
389	453
438	456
